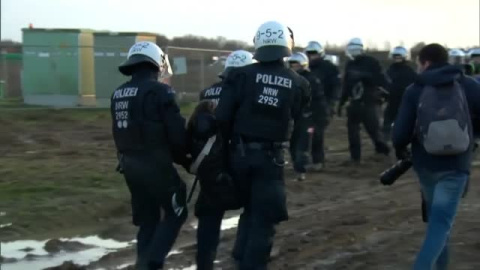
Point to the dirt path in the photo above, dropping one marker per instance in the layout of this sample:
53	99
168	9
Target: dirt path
56	180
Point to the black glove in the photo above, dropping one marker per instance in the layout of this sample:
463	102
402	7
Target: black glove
402	153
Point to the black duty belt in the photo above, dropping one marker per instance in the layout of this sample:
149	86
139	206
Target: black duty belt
260	145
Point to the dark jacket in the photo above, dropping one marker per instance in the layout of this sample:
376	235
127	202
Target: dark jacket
368	71
401	76
212	93
204	127
252	106
158	106
328	73
318	105
404	128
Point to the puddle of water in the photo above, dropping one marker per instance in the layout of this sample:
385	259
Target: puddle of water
174	252
5	225
227	224
16	249
123	266
193	267
13	249
99	242
230	223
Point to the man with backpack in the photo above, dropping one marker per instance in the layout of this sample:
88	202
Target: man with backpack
435	118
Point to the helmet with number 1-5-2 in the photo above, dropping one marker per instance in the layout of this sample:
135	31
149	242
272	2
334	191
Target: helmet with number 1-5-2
456	57
315	47
354	48
400	53
143	52
237	59
273	41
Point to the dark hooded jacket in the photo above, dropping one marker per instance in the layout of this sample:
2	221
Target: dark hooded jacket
404	127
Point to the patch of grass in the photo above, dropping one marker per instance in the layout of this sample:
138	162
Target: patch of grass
13	103
57	171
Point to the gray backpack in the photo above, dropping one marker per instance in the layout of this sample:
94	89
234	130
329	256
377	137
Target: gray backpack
443	124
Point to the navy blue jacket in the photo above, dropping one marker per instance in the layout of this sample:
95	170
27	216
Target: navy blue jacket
403	130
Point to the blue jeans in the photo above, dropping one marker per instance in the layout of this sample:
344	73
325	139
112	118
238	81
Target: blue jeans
442	192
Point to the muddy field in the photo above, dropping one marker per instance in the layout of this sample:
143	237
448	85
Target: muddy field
58	187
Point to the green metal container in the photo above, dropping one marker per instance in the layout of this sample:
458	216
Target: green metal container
58	67
111	49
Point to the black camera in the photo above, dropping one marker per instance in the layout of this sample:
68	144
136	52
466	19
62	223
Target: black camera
389	176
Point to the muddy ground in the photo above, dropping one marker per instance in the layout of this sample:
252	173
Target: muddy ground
57	180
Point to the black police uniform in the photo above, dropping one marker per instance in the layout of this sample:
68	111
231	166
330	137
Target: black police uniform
149	135
256	106
212	93
316	116
328	73
207	209
363	77
401	75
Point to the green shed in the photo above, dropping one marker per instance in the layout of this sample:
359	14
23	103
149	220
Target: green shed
58	68
111	49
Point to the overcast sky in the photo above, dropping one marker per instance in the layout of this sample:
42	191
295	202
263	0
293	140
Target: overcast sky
452	22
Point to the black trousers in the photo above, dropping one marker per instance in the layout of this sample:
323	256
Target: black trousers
367	115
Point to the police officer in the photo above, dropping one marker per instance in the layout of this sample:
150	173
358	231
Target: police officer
303	131
149	135
401	75
456	57
362	83
209	209
255	109
235	59
474	56
326	71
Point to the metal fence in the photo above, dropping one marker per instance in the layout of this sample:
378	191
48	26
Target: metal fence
193	69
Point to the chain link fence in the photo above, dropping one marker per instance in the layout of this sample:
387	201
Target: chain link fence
194	69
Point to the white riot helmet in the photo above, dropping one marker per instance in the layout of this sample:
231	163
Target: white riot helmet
456	57
273	41
300	58
237	59
474	53
143	52
354	48
315	47
333	59
399	52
